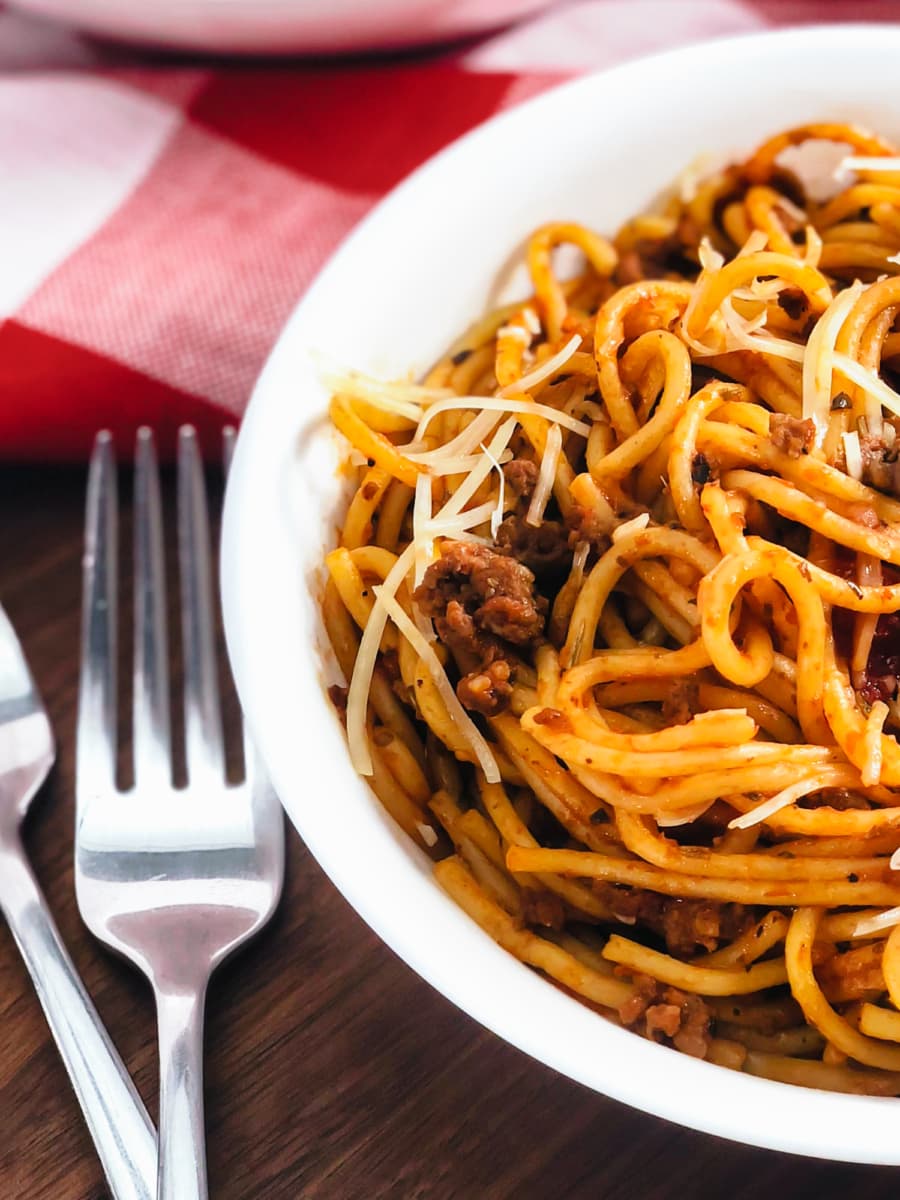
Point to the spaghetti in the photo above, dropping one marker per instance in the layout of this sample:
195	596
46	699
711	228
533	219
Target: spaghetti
617	602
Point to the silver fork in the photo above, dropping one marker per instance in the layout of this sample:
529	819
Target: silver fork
123	1133
174	879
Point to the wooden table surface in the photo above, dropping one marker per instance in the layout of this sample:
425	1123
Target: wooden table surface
332	1070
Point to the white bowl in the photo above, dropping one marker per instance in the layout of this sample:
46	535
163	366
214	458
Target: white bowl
284	26
413	274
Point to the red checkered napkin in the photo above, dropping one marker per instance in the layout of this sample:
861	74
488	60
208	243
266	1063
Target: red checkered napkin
159	222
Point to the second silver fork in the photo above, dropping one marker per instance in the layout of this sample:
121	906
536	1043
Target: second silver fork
174	879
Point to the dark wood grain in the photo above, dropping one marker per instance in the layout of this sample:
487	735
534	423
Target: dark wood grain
332	1070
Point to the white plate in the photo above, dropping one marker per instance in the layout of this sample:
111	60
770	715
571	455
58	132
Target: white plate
411	276
284	26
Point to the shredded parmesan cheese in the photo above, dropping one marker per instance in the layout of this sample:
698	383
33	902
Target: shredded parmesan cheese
819	360
403	399
871	383
883	920
480	749
494	404
734	332
710	258
364	667
789	795
580	557
465	442
531	319
532	378
546	476
673	820
497	514
641	521
423	540
469	486
853	454
758	240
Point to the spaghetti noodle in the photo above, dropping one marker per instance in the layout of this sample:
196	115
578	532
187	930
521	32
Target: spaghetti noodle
617	602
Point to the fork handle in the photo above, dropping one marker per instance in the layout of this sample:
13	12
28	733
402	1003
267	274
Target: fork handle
116	1118
182	1141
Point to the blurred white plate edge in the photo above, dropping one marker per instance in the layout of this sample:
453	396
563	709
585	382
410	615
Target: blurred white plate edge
284	26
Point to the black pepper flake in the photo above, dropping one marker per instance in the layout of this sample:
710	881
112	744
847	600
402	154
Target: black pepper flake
460	357
701	472
600	817
840	402
852	878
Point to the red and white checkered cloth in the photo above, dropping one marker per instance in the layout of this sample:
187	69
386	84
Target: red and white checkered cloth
158	221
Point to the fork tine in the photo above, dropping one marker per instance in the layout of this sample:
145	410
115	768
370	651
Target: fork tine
229	437
96	728
202	717
152	757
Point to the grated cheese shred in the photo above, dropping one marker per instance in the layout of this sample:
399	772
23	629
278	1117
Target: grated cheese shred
533	378
819	360
467	728
497	514
364	667
641	521
882	920
853	454
787	796
871	383
546	476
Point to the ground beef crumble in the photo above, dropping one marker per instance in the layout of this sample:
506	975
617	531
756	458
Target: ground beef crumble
585	525
686	925
521	475
486	690
880	465
682	701
791	435
483	605
544	549
656	1009
540	907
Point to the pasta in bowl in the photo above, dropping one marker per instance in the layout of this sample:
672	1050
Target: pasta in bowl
615	597
611	613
